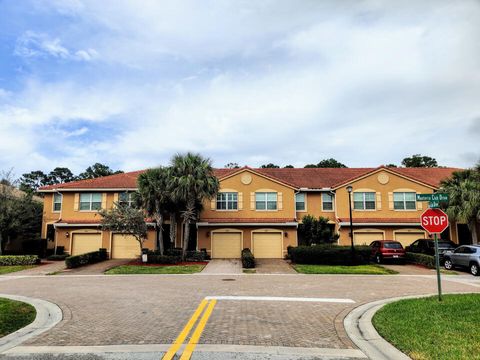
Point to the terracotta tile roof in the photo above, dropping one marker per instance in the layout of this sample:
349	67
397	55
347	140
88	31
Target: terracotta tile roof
247	220
311	178
381	220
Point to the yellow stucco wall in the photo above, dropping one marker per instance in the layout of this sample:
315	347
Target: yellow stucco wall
313	206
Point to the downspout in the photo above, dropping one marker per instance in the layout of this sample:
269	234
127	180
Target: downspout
336	214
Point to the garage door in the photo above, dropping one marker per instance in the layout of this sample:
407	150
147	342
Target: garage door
125	247
365	238
406	238
84	243
267	245
226	245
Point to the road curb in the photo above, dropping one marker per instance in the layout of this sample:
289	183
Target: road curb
48	315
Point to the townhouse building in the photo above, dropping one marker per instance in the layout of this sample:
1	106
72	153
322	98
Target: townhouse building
258	209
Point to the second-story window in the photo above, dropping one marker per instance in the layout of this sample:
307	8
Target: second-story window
266	201
404	201
300	202
364	201
227	201
327	202
126	198
90	201
57	202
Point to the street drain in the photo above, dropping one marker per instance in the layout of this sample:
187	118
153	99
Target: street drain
228	279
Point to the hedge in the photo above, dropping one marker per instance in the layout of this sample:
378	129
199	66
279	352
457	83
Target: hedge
163	259
248	261
9	260
57	257
421	259
192	255
85	259
329	255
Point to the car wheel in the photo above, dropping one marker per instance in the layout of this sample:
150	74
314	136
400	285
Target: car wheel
474	269
448	264
378	259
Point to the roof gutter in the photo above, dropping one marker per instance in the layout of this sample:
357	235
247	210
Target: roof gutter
378	224
86	189
247	224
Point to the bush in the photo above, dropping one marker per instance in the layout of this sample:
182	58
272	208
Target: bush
85	259
60	250
163	259
9	260
248	261
421	259
329	255
57	257
192	255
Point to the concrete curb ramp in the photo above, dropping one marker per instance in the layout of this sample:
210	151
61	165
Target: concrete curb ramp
48	315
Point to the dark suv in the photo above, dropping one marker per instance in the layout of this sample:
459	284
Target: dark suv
427	246
387	250
466	256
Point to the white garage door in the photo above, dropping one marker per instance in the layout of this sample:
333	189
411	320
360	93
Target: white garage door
406	238
365	238
226	245
267	245
125	247
84	243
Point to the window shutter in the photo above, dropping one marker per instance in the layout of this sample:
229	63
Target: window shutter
213	204
280	201
390	200
76	202
104	200
252	201
379	201
240	201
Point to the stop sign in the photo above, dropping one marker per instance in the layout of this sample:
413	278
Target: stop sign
434	220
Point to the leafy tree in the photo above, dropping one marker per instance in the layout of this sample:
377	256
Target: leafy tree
464	203
193	182
232	165
126	220
316	231
418	160
60	175
30	182
391	166
330	163
97	170
270	166
310	166
288	167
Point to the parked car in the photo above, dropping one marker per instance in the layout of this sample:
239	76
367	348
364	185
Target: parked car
427	246
465	256
383	250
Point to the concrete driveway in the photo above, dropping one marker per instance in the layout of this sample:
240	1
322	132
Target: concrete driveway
260	316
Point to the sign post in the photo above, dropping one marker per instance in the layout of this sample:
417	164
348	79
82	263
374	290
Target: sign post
435	221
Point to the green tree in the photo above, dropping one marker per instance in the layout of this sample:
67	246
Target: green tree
127	220
288	167
60	175
270	166
464	203
316	231
330	163
97	170
232	165
391	166
310	166
193	182
418	160
30	182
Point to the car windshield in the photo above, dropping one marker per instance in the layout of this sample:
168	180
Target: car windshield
392	245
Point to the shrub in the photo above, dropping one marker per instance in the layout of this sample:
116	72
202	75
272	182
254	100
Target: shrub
192	255
248	261
85	259
57	257
421	259
9	260
60	250
329	255
163	259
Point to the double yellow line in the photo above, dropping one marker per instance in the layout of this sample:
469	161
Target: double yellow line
187	352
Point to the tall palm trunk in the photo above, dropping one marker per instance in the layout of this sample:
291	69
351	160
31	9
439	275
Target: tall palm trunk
188	216
472	226
173	228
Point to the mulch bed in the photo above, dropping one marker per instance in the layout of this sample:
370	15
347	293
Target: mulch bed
139	263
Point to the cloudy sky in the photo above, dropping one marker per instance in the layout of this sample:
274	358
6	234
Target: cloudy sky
129	83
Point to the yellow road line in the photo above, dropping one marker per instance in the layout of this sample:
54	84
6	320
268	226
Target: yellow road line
184	333
187	353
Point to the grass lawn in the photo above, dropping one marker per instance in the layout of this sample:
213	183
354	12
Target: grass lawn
428	329
140	269
13	268
339	269
14	315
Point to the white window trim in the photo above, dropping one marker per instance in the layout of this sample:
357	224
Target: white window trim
91	202
129	198
266	201
304	202
53	203
333	203
404	201
364	202
226	202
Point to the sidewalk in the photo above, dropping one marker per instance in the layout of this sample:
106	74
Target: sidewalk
46	267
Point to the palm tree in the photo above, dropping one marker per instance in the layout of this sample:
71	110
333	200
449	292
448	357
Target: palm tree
193	182
155	197
464	203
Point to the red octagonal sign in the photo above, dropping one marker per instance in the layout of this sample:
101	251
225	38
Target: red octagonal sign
434	220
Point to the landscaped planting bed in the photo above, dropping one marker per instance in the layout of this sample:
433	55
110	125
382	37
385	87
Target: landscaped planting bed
156	269
342	269
329	255
11	260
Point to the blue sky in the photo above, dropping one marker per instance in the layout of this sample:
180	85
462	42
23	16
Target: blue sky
129	83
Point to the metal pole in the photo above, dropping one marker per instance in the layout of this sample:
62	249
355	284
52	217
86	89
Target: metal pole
351	227
437	265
